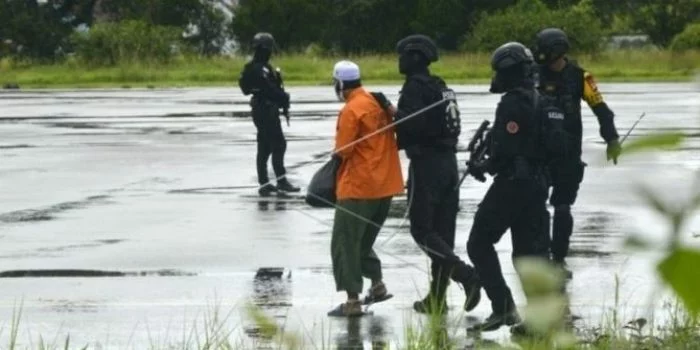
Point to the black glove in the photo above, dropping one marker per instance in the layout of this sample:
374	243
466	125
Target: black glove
383	101
477	171
614	150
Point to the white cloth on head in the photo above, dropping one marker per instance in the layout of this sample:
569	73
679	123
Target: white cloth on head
346	71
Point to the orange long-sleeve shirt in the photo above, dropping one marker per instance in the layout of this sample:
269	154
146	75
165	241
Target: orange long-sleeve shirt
370	169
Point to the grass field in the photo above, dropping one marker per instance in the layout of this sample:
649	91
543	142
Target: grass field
214	331
613	66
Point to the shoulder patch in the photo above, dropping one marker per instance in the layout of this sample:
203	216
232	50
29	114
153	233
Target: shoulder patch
591	81
449	94
512	127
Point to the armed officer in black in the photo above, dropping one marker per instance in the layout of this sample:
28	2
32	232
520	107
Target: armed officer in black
526	131
265	84
568	84
429	140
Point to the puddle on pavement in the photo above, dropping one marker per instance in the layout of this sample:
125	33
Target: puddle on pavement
60	250
76	125
20	146
50	212
75	273
213	190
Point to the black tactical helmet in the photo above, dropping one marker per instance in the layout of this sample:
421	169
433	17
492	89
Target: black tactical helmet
550	44
264	40
512	63
509	55
420	43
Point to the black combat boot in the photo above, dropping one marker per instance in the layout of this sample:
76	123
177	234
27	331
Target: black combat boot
284	186
472	291
431	305
522	330
504	314
498	319
435	302
266	190
561	265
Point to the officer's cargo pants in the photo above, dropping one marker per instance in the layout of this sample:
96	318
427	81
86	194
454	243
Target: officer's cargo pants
566	179
270	139
521	206
434	202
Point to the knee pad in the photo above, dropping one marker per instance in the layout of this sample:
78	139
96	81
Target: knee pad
562	209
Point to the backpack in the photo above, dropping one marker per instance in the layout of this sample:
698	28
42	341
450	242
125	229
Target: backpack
450	125
244	82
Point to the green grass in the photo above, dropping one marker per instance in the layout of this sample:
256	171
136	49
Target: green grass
214	331
613	66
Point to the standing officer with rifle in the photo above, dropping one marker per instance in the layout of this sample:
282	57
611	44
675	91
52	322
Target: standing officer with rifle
526	133
265	84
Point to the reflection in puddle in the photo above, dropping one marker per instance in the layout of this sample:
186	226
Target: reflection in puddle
264	205
353	339
272	287
272	293
280	201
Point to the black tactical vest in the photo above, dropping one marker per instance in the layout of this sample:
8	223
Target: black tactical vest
522	152
532	146
249	83
444	127
566	90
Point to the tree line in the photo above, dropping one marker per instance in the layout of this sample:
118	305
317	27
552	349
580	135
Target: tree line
109	31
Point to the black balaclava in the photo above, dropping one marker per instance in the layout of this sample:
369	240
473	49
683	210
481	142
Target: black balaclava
514	77
262	55
413	62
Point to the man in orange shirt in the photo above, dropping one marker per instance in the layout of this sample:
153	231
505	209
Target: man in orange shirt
368	177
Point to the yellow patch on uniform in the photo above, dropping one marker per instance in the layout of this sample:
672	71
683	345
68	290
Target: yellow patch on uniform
590	90
512	127
591	82
550	87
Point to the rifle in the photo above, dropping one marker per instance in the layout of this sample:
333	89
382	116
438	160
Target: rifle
285	110
477	148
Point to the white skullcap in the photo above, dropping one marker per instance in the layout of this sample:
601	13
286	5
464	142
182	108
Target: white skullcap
346	71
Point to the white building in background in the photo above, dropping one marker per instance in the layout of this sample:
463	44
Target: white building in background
628	41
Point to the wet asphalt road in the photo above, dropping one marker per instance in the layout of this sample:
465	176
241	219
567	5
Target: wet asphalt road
158	187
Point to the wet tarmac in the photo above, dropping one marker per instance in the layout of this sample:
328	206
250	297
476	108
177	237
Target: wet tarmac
128	217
